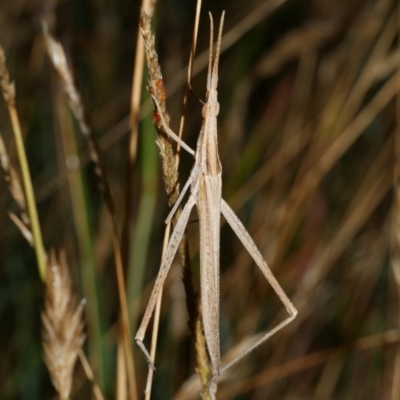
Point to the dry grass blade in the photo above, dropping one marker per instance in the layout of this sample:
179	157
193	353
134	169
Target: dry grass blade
69	161
136	86
302	190
278	161
136	93
295	44
63	325
22	227
59	312
387	338
374	187
14	185
8	91
191	388
89	374
121	393
248	22
59	61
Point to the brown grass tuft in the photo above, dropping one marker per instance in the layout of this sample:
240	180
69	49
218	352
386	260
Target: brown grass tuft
62	325
7	86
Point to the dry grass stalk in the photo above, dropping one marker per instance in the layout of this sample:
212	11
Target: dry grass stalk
246	24
89	374
13	181
170	173
368	197
120	385
157	89
147	5
294	44
270	169
54	300
374	187
292	367
8	91
134	117
60	64
190	389
341	116
301	191
22	227
63	325
74	98
23	224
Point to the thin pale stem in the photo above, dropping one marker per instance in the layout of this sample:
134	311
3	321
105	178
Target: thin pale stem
134	118
29	194
89	374
84	238
189	79
124	316
156	323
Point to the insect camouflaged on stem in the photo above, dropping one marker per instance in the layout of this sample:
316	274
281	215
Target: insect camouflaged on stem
205	191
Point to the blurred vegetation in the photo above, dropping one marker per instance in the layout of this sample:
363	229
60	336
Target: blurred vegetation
308	141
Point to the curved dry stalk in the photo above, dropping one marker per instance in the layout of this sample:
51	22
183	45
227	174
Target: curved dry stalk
365	343
59	61
248	22
170	173
191	388
293	146
302	190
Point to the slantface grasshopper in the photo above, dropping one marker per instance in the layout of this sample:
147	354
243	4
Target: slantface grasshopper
205	192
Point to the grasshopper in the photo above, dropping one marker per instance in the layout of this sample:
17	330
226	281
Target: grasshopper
205	184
